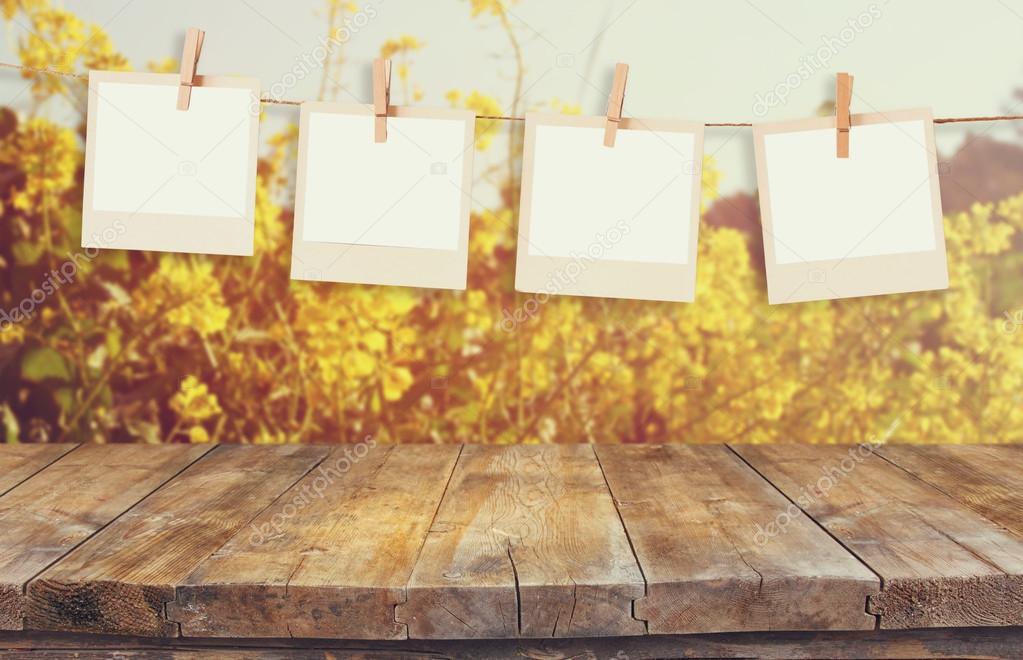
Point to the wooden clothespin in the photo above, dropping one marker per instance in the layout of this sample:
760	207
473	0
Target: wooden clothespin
381	96
189	61
843	118
615	103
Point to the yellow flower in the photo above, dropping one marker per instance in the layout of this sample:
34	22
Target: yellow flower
11	334
493	7
482	105
186	293
60	40
265	436
375	341
236	360
198	435
48	156
270	231
404	44
709	183
401	48
566	108
357	364
166	65
343	5
194	402
396	381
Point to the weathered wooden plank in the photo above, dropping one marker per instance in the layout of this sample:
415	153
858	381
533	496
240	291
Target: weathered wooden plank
56	509
987	478
527	543
330	561
941	563
21	461
696	517
849	645
120	579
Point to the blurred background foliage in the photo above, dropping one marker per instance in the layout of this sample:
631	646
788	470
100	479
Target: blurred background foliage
184	348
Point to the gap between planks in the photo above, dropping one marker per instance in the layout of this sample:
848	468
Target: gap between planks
943	563
7	486
524	546
632	545
691	512
433	520
342	566
177	588
114	583
880	578
71	455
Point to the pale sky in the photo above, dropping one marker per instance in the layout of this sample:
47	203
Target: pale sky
706	61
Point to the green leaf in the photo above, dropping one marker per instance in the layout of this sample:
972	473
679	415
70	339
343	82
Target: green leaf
10	423
27	253
41	364
71	220
116	259
113	341
145	431
65	398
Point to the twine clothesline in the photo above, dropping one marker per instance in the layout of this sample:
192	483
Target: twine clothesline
715	124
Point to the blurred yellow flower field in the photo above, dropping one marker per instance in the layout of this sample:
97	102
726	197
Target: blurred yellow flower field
182	348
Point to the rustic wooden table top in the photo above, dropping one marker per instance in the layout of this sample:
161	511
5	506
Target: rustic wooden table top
438	542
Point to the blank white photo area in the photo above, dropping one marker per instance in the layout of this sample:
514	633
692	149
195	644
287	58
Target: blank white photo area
617	222
162	179
868	224
391	213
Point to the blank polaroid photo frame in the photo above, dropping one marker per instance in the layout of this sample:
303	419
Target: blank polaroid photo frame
615	222
392	213
162	179
867	225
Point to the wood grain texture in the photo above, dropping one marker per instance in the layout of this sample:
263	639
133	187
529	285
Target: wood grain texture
54	510
941	563
19	462
986	478
955	643
332	561
527	543
696	517
520	542
120	579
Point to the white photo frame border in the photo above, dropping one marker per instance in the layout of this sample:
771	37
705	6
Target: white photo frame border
167	232
350	263
857	276
606	278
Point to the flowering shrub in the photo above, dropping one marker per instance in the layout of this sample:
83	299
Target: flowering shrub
138	346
